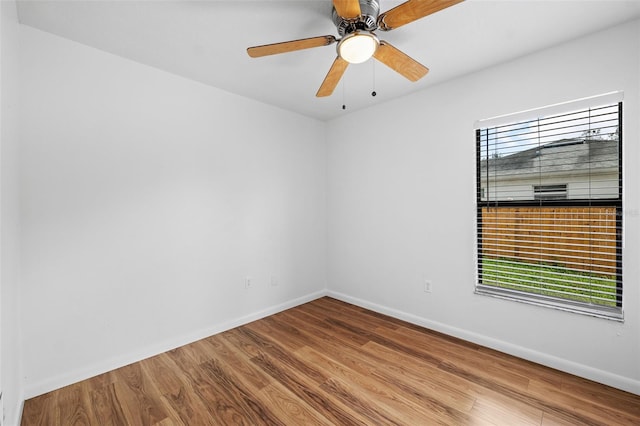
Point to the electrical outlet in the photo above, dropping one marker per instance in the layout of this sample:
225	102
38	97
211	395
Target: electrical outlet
248	283
427	286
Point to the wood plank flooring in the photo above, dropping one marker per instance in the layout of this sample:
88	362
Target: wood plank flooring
330	363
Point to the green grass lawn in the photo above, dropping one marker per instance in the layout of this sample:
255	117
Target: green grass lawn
550	280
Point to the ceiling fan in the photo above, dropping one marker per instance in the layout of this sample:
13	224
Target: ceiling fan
356	21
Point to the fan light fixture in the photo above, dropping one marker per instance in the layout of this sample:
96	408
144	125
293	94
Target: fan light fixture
358	46
356	21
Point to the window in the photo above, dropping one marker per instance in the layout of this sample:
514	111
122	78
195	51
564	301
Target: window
549	207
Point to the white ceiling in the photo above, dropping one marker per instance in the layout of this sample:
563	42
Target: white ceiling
206	40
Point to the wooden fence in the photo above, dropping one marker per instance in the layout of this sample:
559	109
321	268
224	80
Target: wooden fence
581	238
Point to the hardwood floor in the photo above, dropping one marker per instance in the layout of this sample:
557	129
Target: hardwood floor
331	363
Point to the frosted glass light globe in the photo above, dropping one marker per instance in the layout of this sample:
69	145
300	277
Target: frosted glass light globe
358	46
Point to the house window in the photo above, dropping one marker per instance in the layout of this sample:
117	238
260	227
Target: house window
548	243
549	192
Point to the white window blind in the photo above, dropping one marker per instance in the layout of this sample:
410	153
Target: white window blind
549	209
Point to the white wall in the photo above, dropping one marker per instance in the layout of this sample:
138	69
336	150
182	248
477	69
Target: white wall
10	357
401	207
147	199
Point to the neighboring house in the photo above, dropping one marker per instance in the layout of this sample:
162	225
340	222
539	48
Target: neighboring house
564	169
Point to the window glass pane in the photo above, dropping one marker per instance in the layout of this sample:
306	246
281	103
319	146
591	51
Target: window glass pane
579	150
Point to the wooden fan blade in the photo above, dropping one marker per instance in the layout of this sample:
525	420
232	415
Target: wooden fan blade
410	11
290	46
347	8
333	77
400	62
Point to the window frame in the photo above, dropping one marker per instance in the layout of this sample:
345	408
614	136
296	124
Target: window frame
608	312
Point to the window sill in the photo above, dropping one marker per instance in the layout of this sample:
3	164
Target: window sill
610	313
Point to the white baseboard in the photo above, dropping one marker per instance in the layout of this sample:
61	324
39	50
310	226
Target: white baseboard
600	376
39	388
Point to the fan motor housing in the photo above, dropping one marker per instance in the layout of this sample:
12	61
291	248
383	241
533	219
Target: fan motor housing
367	21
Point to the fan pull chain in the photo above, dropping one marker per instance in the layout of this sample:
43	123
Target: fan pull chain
373	93
344	106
